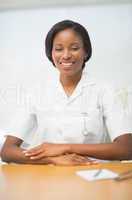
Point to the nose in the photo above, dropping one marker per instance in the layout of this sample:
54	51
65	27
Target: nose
66	54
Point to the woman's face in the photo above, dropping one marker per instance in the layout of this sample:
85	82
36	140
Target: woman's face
68	52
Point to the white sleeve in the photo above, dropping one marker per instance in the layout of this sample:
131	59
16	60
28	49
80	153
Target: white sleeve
117	111
2	139
23	125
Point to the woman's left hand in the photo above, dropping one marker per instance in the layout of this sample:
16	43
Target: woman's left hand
71	160
46	150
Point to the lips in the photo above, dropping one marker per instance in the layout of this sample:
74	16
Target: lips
67	64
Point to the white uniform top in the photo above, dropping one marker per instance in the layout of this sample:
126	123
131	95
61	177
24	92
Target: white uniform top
92	114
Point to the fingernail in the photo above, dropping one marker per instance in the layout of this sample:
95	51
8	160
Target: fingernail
27	154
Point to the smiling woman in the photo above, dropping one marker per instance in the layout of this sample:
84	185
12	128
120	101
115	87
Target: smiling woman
77	116
68	56
68	53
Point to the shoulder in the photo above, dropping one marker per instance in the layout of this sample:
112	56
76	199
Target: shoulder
101	87
42	94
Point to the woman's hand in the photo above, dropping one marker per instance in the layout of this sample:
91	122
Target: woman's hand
71	160
46	150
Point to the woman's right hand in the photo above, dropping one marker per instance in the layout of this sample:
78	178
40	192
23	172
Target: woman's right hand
71	160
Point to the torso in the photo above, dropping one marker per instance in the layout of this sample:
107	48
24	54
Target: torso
62	119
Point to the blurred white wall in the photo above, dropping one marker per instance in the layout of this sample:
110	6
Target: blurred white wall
22	58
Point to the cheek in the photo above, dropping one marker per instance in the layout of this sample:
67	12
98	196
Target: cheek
80	55
55	57
81	58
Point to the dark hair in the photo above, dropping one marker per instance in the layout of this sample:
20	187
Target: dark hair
68	24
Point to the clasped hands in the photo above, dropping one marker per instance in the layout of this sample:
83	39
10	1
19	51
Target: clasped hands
58	154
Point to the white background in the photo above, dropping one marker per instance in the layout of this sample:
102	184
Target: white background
22	58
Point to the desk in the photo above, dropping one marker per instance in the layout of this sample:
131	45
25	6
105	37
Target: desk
39	182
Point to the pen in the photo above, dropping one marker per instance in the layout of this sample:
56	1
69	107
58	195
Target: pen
97	173
124	176
126	161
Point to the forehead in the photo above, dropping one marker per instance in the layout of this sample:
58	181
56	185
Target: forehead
67	35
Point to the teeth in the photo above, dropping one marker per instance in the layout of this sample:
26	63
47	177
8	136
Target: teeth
67	64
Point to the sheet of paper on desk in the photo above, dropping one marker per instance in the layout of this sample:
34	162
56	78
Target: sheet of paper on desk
97	174
99	160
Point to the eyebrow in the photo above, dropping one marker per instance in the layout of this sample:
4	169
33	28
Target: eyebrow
75	43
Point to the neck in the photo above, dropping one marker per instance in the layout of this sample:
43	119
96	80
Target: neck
70	82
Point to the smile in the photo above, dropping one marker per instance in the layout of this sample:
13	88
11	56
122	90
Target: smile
67	64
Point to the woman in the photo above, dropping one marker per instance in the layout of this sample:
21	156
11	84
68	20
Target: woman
76	116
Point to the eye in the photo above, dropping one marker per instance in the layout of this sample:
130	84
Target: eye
75	48
58	49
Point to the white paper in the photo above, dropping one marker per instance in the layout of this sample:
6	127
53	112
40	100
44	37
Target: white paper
99	160
97	174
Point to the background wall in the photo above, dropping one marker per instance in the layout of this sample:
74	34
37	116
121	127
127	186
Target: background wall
23	62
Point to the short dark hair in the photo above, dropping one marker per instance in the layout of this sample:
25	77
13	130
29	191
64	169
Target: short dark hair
68	24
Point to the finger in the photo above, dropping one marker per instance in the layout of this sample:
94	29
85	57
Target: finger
83	160
80	158
92	160
32	149
88	163
37	157
33	153
74	157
